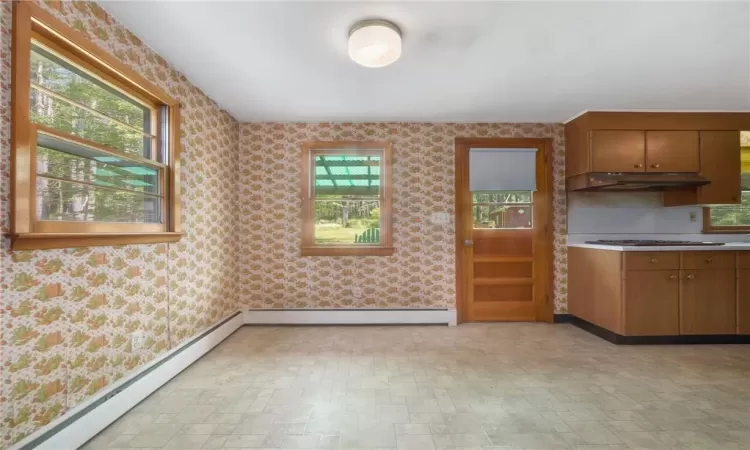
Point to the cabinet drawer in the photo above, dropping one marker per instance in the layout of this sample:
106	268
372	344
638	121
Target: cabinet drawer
743	262
707	260
651	260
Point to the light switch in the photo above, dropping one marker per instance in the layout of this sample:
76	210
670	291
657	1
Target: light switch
439	218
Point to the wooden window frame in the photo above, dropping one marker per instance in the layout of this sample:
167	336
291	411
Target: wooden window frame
27	232
314	148
708	228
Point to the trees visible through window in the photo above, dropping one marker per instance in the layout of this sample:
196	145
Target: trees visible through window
502	209
346	195
94	143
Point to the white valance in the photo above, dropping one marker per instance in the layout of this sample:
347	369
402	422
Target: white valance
502	169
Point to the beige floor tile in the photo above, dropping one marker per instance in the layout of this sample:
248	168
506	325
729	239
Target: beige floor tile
512	386
186	442
414	442
412	428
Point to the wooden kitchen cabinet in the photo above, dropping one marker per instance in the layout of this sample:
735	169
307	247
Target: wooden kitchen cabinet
653	293
743	293
708	301
652	303
618	151
631	142
720	163
672	151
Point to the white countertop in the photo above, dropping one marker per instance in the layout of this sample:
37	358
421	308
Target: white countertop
731	246
731	242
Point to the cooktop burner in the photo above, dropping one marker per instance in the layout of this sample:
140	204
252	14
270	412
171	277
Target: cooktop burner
649	243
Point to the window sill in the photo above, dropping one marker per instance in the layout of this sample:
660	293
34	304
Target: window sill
347	251
729	231
44	241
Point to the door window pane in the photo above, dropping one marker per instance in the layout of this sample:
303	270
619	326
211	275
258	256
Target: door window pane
503	209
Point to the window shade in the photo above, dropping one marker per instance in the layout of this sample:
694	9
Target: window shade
502	169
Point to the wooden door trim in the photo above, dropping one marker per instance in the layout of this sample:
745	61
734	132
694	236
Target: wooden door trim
545	310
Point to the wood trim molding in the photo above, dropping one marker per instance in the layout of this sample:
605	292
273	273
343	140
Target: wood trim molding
544	303
347	251
44	241
312	148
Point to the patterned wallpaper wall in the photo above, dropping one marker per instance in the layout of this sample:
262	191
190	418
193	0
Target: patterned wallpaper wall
67	315
421	272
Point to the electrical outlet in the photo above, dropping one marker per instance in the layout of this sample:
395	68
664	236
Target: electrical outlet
137	340
357	292
693	217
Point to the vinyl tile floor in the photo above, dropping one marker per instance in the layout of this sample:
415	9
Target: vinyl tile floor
509	386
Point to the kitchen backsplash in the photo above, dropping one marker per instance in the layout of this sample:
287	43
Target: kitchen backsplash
629	213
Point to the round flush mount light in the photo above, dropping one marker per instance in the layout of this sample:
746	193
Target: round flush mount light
374	43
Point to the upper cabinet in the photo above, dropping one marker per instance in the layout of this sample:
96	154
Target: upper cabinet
720	163
672	151
701	144
617	151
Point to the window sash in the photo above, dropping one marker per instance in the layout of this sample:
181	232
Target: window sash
62	226
345	148
71	57
380	154
32	24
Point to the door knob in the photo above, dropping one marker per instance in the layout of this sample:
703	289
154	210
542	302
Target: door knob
690	277
638	166
469	243
655	166
673	277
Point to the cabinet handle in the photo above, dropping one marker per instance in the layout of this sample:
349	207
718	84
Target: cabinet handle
690	276
655	166
673	277
654	261
638	166
709	260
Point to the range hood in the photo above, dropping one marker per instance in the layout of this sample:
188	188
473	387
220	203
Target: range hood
606	181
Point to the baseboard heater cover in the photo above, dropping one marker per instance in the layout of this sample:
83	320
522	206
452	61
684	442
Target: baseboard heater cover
350	317
80	424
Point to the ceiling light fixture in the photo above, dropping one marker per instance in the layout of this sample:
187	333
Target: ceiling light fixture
374	43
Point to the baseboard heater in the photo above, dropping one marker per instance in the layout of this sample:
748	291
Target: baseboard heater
80	424
442	316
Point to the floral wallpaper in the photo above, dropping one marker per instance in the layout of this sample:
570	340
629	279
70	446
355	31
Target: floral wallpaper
421	272
67	315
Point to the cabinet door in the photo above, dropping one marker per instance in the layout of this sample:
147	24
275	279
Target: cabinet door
672	151
743	301
720	163
708	301
618	151
652	303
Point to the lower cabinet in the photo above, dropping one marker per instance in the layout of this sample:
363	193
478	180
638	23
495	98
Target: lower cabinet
743	301
708	303
652	302
661	293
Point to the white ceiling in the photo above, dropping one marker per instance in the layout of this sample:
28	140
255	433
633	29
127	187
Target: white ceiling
462	61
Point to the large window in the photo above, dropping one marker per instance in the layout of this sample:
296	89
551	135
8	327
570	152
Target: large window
94	143
346	197
729	218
